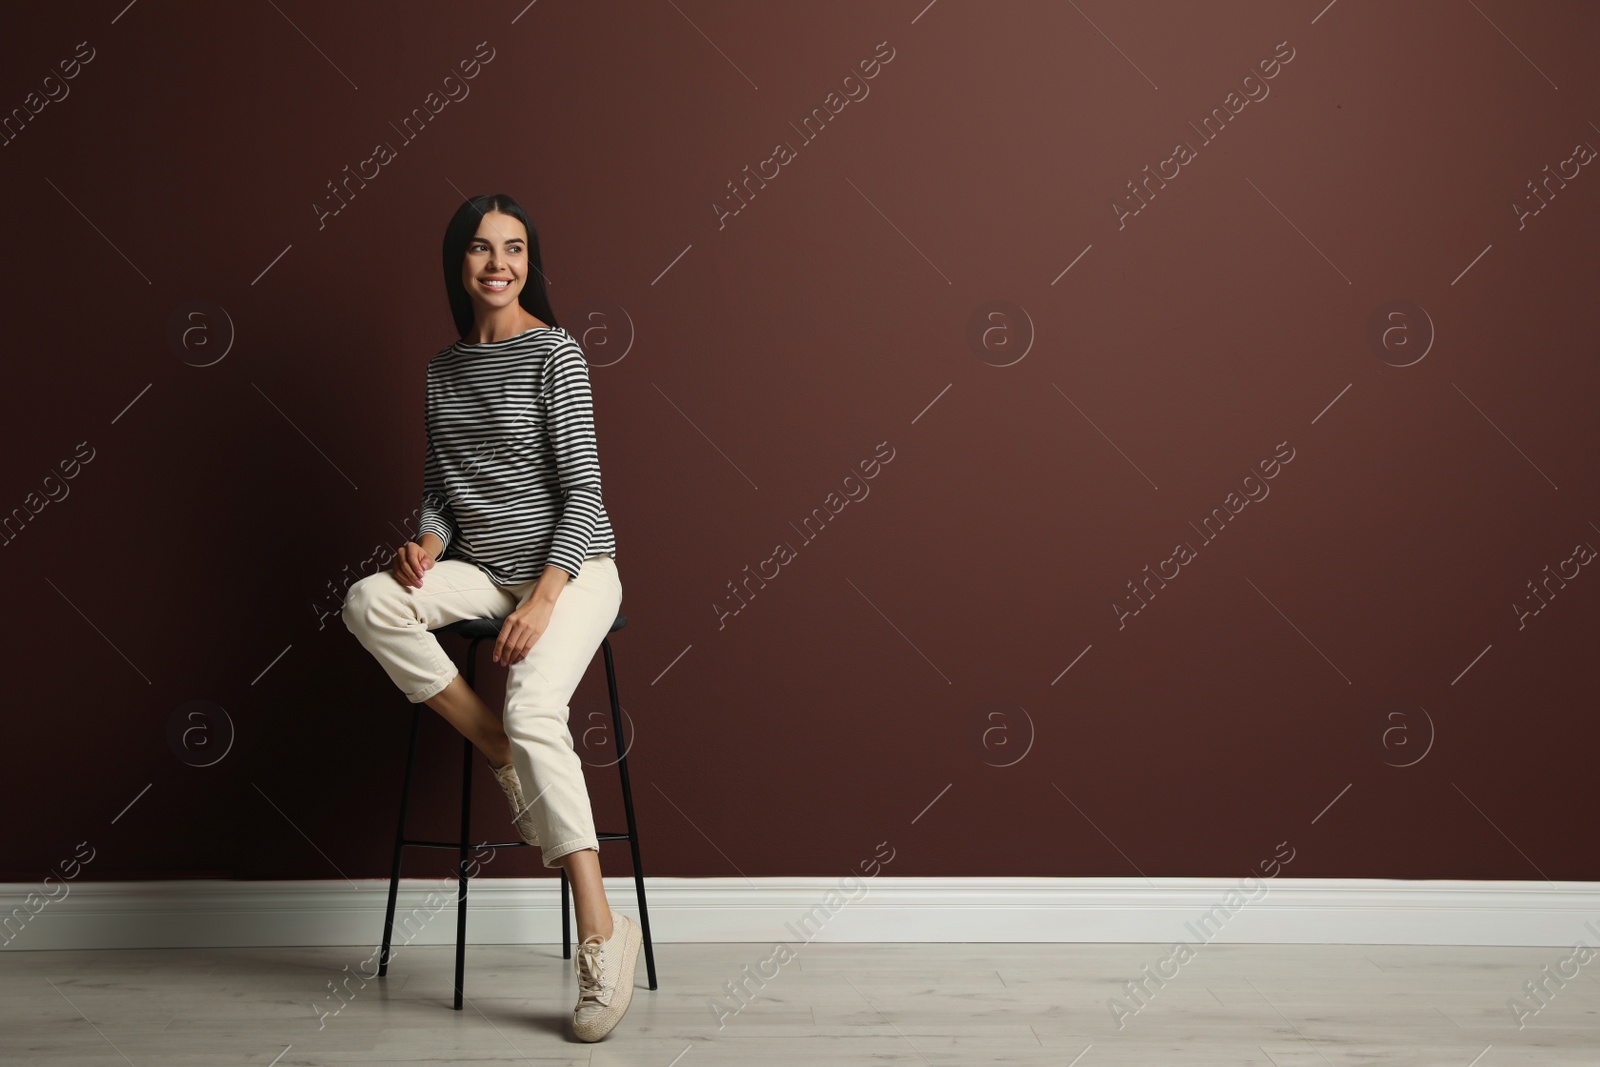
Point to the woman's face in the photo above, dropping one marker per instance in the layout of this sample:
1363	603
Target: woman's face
495	267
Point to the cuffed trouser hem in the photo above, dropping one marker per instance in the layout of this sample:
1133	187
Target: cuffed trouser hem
431	690
555	852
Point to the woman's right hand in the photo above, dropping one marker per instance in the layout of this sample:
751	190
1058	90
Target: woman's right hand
410	561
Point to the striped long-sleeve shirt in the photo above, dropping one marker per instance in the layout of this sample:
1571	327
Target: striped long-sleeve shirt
512	473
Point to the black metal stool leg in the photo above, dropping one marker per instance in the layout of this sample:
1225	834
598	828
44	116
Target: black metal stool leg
461	874
566	917
466	836
399	842
627	807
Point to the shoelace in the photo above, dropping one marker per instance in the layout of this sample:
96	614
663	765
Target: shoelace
507	777
590	962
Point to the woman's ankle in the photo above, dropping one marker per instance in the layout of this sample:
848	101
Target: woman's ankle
605	932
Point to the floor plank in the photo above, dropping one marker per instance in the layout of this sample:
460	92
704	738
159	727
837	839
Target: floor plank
928	1004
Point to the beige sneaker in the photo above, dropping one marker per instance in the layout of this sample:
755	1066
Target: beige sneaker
605	978
507	777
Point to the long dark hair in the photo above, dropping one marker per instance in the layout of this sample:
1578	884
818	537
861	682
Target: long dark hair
463	226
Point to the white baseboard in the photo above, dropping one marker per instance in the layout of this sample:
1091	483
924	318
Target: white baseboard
212	913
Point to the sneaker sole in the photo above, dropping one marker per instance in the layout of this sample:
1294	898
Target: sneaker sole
633	939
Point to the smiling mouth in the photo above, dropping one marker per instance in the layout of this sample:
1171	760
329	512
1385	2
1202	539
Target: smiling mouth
498	285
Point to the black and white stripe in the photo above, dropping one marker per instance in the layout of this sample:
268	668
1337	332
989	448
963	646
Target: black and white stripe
512	474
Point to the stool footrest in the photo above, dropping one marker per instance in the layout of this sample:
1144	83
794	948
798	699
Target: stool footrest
410	843
497	844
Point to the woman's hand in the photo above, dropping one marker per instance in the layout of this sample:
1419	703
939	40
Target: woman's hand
410	561
522	628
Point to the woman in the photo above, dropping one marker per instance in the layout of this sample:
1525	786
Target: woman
513	526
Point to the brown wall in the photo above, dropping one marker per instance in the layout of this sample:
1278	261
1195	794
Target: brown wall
916	652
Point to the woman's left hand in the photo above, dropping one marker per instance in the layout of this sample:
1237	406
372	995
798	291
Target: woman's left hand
521	629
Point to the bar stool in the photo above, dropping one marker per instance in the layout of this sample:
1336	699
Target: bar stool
475	631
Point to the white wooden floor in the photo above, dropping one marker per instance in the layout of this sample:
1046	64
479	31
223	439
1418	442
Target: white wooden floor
956	1004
